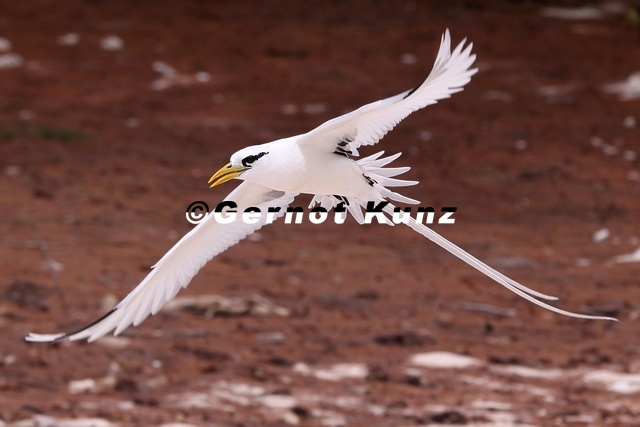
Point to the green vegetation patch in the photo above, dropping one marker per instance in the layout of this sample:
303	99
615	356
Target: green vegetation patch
49	133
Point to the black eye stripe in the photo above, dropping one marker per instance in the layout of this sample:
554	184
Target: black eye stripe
246	162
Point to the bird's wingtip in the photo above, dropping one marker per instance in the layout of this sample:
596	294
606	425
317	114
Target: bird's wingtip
43	337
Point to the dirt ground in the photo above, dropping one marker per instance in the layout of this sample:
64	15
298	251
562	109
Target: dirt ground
113	115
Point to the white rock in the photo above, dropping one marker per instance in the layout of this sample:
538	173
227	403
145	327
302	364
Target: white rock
610	150
112	43
85	422
497	95
315	108
26	115
163	68
616	382
629	122
628	89
5	45
444	360
596	141
10	60
408	58
202	77
492	405
69	39
13	171
337	372
289	109
600	235
88	385
575	13
583	262
526	372
425	135
37	421
115	342
632	257
278	401
49	421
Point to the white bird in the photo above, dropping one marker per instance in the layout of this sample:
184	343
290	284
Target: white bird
320	163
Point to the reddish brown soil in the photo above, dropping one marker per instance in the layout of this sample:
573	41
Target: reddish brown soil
98	167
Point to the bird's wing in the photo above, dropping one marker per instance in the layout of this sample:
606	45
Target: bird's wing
178	266
368	124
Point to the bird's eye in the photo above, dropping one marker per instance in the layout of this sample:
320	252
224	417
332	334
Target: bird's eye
247	161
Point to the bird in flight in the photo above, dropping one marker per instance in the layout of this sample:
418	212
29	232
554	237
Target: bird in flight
320	162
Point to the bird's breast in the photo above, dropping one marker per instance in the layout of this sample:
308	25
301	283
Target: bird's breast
318	173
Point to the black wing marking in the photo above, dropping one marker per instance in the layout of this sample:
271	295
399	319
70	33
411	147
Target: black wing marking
64	336
409	93
342	148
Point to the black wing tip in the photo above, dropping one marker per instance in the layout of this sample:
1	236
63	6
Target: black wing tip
411	92
67	335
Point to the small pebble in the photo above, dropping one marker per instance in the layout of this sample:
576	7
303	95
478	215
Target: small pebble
316	108
630	155
10	60
163	68
112	43
629	122
601	235
5	45
596	141
26	115
408	58
202	77
13	171
425	136
583	262
289	109
69	39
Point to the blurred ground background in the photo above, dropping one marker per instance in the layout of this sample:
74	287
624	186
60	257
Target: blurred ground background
113	115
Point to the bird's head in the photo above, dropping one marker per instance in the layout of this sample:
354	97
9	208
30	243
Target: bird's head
241	162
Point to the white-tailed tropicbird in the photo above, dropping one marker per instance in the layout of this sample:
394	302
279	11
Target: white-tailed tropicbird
319	163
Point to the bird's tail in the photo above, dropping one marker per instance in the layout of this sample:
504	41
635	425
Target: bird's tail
380	177
512	285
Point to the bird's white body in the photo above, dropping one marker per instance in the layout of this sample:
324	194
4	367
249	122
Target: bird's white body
303	169
320	163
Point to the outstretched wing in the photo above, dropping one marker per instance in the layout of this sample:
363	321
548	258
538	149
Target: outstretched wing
178	266
368	124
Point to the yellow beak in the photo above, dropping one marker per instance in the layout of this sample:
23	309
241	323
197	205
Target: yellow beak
226	173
